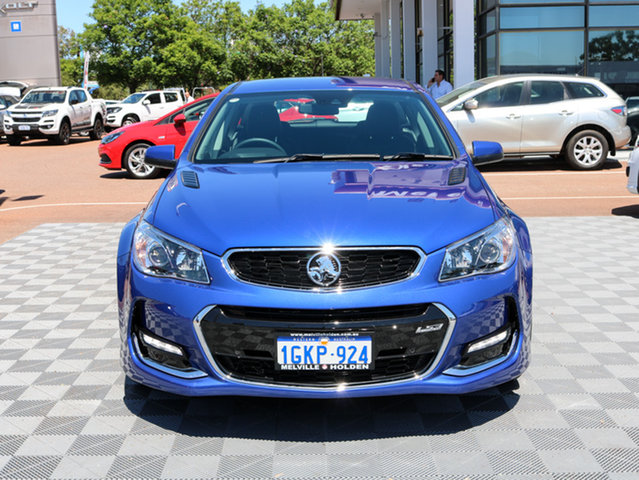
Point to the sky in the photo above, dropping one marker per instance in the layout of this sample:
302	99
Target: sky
74	14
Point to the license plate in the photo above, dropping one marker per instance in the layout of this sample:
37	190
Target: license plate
24	128
320	352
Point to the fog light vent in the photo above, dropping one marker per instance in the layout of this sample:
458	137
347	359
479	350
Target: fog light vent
162	351
488	348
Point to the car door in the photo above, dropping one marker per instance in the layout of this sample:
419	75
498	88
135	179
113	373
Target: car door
497	117
171	102
548	117
84	108
177	134
75	109
153	106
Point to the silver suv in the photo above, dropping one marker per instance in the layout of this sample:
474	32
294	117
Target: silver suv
578	118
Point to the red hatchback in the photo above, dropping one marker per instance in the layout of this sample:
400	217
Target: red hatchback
125	147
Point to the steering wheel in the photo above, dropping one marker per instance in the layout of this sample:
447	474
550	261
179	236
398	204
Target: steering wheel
263	141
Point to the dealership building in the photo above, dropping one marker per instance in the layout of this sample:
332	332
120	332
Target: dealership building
471	39
29	40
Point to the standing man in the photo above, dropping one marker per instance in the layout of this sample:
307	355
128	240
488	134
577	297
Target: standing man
438	86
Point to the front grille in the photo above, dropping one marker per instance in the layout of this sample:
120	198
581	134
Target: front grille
363	267
242	341
26	119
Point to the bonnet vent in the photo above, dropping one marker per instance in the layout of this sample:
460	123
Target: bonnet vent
189	179
457	175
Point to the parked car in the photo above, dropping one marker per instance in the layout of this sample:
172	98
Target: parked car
142	106
632	171
324	258
54	113
578	118
633	119
125	147
5	102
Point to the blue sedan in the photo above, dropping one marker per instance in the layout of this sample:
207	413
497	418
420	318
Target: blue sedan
352	250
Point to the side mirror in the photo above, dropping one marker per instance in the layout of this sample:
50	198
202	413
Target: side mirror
161	156
146	102
486	152
471	104
179	120
75	101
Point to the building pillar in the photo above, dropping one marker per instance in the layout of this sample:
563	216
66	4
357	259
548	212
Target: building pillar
396	39
385	40
429	38
408	21
463	42
377	19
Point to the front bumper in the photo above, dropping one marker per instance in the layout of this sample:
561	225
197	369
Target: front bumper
110	156
39	129
177	311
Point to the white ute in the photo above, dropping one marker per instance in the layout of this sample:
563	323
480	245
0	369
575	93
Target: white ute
143	106
54	113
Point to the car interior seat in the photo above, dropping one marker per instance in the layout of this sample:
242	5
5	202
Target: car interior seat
262	121
382	130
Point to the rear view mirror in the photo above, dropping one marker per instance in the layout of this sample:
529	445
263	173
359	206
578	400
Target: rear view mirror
471	104
161	156
319	109
179	120
486	152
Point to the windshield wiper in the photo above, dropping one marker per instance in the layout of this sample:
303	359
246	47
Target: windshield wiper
417	156
306	157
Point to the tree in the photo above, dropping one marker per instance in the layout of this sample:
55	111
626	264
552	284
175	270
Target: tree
69	51
128	37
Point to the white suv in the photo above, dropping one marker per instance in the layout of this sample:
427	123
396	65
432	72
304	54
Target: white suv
142	106
579	118
54	113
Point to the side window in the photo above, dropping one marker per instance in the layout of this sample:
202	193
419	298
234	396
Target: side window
82	97
195	112
582	90
154	98
170	97
73	96
501	96
545	92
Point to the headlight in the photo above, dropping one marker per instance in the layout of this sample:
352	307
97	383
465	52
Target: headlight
113	109
160	255
49	113
489	251
112	136
7	113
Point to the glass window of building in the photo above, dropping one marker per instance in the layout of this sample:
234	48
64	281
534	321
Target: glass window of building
538	52
541	17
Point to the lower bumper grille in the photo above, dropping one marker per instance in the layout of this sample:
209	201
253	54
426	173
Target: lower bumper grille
405	342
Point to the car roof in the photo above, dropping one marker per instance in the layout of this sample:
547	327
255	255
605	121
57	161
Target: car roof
320	83
537	76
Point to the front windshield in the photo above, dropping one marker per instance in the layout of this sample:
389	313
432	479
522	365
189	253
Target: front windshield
458	92
133	98
45	96
256	127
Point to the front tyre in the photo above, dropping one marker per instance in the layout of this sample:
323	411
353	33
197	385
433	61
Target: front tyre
98	129
64	134
130	120
134	162
587	150
14	140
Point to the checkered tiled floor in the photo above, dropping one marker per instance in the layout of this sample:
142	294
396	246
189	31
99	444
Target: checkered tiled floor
66	410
